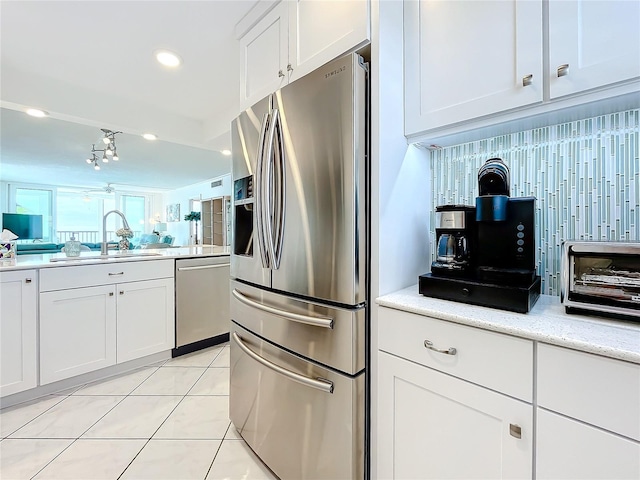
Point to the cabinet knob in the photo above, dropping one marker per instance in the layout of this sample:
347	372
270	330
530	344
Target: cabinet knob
515	430
27	280
563	70
280	74
289	68
111	294
121	292
449	351
527	80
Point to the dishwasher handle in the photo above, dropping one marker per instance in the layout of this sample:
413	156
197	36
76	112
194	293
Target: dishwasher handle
203	267
325	322
319	383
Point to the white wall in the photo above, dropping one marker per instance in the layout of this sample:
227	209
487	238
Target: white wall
400	199
198	191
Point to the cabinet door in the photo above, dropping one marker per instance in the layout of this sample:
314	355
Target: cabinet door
18	300
320	31
145	318
77	332
263	56
599	41
567	449
433	426
468	59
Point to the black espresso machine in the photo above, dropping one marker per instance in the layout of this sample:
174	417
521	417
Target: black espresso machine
485	255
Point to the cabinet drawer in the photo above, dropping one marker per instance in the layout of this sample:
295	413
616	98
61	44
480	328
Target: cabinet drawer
596	390
493	360
61	278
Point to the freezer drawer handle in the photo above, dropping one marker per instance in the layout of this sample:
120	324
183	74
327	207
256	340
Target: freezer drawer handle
324	385
202	267
325	322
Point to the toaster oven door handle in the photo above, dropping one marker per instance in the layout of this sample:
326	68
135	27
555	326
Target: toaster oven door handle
325	322
319	384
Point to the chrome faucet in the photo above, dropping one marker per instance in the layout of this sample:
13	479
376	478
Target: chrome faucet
103	247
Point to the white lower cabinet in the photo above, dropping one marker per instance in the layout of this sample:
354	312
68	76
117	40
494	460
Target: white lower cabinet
145	318
18	326
434	426
85	328
77	331
567	449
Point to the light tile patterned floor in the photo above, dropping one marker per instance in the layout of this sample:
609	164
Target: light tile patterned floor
166	421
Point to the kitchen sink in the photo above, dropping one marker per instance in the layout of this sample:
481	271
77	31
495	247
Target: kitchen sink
104	257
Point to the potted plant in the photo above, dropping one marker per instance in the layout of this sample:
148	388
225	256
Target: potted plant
194	217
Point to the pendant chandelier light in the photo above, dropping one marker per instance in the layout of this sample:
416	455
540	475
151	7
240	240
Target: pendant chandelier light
109	150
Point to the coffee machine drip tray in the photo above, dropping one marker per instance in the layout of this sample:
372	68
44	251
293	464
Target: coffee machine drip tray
519	299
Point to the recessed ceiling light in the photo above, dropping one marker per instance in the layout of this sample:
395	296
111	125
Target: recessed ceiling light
149	136
226	152
167	58
34	112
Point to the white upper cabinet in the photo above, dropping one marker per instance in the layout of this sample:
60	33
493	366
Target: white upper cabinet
466	59
264	52
592	44
294	38
470	65
319	31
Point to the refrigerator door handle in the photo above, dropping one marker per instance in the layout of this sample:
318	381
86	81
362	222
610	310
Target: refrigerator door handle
275	195
316	321
280	190
319	384
259	186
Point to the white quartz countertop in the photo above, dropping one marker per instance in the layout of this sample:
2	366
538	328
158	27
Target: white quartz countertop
547	322
25	262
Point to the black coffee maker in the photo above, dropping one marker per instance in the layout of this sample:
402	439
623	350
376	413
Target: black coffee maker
500	268
455	240
505	227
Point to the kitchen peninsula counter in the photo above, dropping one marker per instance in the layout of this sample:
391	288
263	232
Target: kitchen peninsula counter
547	322
26	262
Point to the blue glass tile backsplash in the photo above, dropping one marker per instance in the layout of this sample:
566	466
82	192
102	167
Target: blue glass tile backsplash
584	174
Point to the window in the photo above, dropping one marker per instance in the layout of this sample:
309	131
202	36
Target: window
36	201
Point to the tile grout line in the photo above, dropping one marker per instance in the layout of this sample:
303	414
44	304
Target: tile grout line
163	422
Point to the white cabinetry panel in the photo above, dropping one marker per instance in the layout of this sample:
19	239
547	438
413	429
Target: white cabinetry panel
77	332
598	390
433	426
18	320
319	31
480	354
467	59
598	40
145	318
264	54
570	450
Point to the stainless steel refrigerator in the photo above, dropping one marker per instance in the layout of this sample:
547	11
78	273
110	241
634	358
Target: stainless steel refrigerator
299	269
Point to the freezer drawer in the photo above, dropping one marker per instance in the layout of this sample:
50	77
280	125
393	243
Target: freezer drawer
202	299
304	421
329	335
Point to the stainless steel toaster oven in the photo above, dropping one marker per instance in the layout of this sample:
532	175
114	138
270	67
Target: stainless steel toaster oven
602	277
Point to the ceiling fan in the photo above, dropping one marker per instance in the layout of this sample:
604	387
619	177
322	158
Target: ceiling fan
108	189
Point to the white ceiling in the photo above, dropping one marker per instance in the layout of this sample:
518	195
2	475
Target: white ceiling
90	64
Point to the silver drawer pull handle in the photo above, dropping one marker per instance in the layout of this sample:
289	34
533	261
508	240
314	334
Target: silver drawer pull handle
320	384
114	274
450	351
203	267
27	280
527	80
563	70
325	322
515	430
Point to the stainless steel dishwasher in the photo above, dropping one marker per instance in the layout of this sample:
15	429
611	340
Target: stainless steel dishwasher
202	303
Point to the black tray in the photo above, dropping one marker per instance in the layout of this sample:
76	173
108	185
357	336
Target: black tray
504	297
